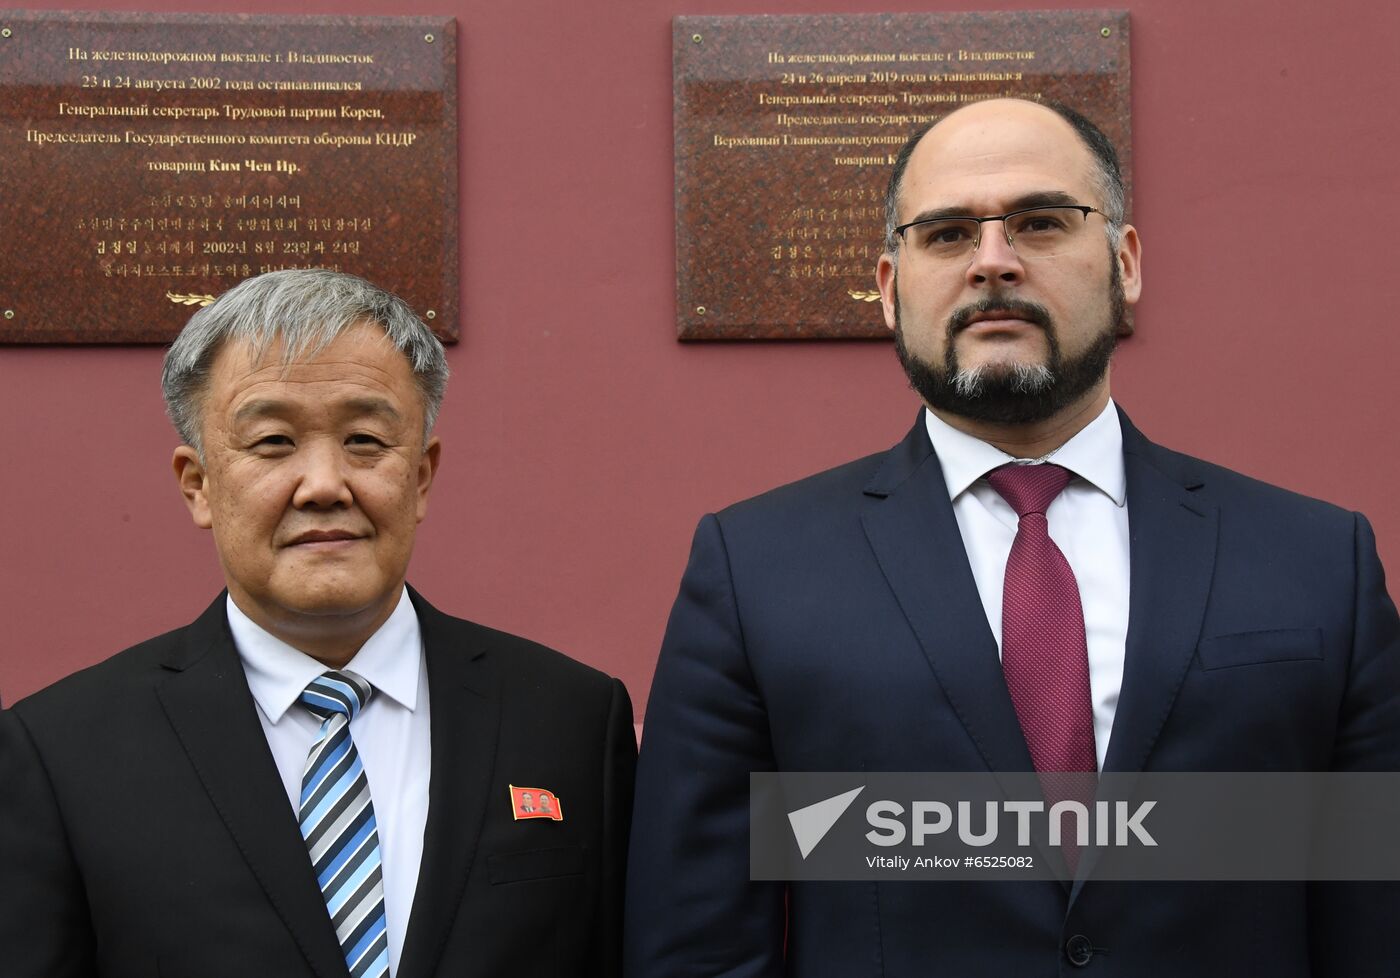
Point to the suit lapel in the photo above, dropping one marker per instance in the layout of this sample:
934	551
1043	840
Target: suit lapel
1172	536
465	702
915	536
212	711
1172	532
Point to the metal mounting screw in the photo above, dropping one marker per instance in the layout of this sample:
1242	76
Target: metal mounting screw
9	314
1105	31
431	314
699	310
428	38
5	33
696	38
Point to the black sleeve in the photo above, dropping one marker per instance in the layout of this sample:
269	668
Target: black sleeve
45	928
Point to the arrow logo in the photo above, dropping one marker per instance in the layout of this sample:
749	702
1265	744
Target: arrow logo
811	824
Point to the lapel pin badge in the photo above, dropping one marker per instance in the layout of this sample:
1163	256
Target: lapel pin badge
535	803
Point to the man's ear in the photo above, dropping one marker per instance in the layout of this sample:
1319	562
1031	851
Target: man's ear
887	280
1129	258
427	471
194	484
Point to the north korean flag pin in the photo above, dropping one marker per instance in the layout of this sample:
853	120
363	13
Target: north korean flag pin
535	803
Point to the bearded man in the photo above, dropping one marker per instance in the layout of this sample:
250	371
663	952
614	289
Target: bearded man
1024	583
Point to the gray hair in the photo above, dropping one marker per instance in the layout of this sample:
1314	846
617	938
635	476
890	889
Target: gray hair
1026	378
306	309
1107	174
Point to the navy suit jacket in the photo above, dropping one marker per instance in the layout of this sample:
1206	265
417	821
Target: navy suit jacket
834	625
144	830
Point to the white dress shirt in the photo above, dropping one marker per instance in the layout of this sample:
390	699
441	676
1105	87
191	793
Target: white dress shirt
1088	521
391	734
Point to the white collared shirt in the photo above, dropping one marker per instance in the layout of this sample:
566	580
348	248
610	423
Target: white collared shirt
391	733
1088	521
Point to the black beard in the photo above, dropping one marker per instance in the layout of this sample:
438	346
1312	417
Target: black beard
1004	396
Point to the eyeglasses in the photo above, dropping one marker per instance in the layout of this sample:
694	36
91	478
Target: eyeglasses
1035	232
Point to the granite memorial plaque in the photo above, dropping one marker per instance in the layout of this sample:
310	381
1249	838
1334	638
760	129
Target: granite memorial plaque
152	161
786	128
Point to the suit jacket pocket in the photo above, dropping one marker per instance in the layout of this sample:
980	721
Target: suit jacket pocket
1254	648
534	864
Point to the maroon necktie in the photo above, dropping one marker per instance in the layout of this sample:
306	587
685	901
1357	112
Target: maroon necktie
1043	652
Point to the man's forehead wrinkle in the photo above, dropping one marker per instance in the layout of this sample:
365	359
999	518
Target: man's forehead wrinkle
353	405
328	370
262	407
241	379
371	405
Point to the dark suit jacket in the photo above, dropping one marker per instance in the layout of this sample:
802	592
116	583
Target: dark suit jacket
834	625
144	829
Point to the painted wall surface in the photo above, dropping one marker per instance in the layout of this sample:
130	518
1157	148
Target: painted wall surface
583	442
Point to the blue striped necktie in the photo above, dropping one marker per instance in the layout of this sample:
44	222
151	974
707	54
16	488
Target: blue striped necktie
337	821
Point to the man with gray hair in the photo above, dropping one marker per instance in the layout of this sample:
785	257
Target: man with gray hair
1024	583
313	778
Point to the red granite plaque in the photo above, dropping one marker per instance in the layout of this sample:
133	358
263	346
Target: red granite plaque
786	128
152	161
